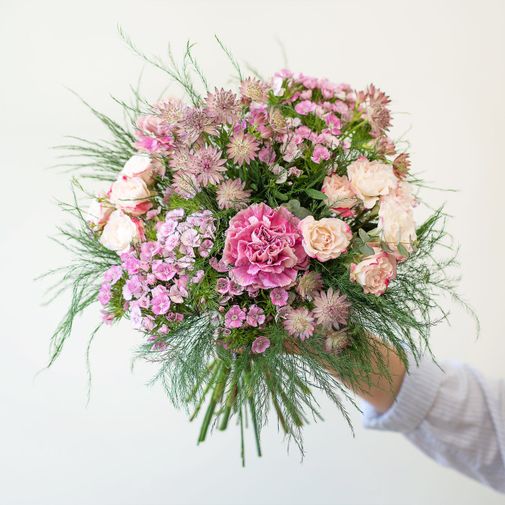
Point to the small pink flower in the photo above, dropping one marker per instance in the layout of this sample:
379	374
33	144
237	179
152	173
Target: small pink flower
107	317
260	345
255	316
198	277
218	266
130	263
279	297
163	271
113	274
320	153
305	107
267	155
234	317
223	285
104	295
333	123
160	304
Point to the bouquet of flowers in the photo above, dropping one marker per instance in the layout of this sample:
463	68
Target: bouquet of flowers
255	238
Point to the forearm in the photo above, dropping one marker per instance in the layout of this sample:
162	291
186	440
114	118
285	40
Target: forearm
377	389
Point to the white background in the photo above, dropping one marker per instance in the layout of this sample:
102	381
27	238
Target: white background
442	62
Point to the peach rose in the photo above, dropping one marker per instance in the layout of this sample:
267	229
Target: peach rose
396	223
340	195
375	272
141	165
131	195
325	239
119	232
98	213
371	179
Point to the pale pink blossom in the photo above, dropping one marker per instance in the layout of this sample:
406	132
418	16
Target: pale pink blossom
325	239
305	107
242	148
374	272
340	195
371	179
208	166
131	195
308	284
119	232
231	194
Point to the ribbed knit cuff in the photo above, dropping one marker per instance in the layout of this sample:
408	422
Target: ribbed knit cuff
414	401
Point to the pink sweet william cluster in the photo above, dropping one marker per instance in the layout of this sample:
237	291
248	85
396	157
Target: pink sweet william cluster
156	278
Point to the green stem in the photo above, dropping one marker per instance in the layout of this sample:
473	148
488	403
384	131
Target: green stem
230	400
220	383
200	380
212	379
255	424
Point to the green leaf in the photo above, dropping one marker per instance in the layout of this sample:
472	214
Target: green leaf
296	209
279	195
364	235
314	193
403	251
366	250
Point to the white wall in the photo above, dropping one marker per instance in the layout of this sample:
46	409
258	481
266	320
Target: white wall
442	62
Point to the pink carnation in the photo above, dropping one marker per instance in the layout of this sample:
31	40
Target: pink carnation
264	247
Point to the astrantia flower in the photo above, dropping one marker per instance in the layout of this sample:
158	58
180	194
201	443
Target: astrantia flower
171	110
277	121
194	123
242	148
207	166
331	309
185	184
254	90
309	283
232	195
376	111
336	341
234	317
299	323
401	165
180	160
223	106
